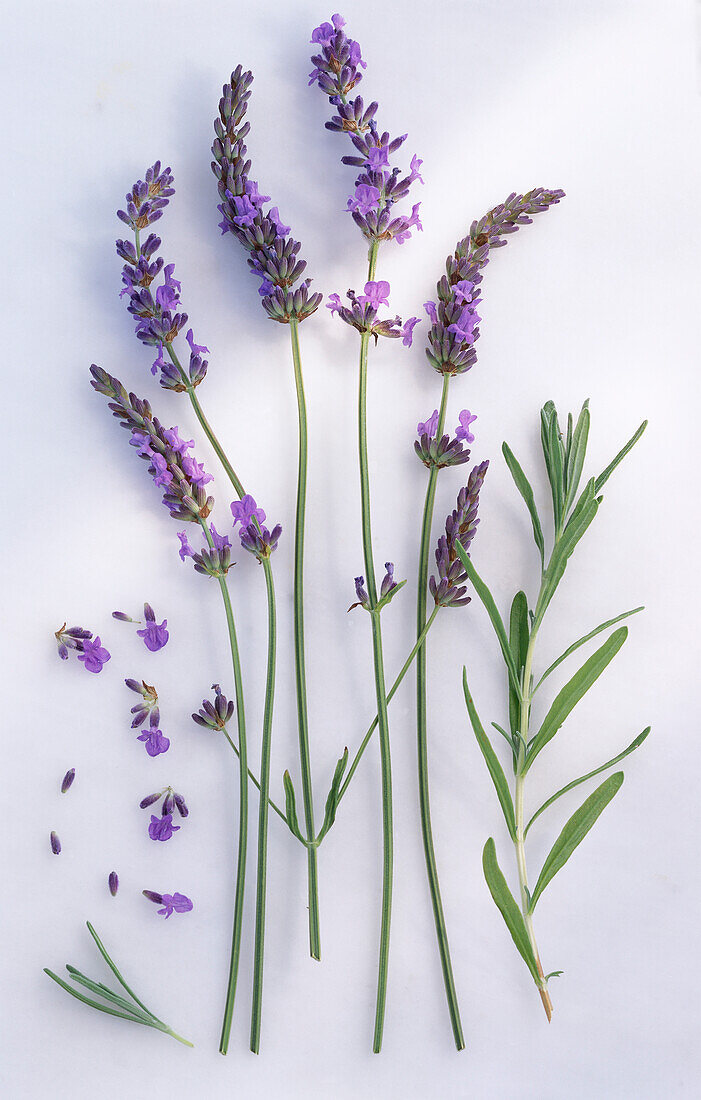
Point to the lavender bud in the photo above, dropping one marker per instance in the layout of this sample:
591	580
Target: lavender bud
149	613
134	685
153	896
168	804
149	800
55	844
155	719
180	803
122	617
67	780
113	882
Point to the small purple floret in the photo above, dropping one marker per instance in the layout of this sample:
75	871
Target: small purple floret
155	742
463	430
93	655
162	828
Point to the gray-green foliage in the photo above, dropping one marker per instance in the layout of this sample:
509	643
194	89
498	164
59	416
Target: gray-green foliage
572	513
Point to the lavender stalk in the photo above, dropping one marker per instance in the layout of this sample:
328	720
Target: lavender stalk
274	257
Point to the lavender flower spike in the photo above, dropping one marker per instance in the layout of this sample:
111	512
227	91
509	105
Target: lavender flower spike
273	255
448	589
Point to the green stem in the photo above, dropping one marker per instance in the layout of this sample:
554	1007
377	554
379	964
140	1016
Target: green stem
300	674
390	695
243	811
380	690
422	743
263	815
524	719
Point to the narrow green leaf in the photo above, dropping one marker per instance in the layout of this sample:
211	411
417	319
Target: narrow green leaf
390	596
508	908
555	467
94	1004
524	487
581	641
101	990
113	967
576	453
590	775
566	700
603	477
518	641
575	831
494	768
507	736
491	608
582	515
291	807
332	800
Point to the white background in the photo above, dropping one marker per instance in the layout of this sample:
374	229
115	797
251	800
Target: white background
596	299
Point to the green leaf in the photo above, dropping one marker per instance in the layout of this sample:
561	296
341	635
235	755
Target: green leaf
575	831
390	596
566	700
581	641
584	512
332	800
115	969
93	1004
524	487
555	467
603	477
493	766
491	608
518	642
508	908
590	775
507	736
103	991
291	808
576	452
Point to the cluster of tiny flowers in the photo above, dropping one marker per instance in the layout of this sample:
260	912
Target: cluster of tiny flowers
448	589
172	903
362	313
214	716
453	315
171	468
88	649
162	828
378	186
155	635
147	707
156	312
273	255
444	451
212	561
387	589
255	538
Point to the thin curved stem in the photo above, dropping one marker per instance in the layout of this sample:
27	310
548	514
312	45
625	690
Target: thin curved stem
300	673
256	1010
422	743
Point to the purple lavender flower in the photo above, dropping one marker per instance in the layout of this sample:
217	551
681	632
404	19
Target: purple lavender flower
378	186
93	654
375	294
363	599
149	800
273	255
362	313
113	883
388	582
55	844
454	318
155	742
221	542
155	636
172	903
71	637
162	828
407	332
185	550
147	707
449	590
246	511
214	716
430	427
258	540
185	498
463	430
67	782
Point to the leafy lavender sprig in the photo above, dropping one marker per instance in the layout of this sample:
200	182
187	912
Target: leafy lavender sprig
564	461
274	257
110	1002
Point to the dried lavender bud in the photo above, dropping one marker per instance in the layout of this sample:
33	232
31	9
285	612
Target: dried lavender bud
55	844
147	707
173	470
273	255
122	617
378	187
181	805
149	800
67	780
113	883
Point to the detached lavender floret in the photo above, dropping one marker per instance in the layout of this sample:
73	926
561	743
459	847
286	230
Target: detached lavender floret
162	828
155	742
148	707
68	780
273	255
55	844
449	589
172	903
113	883
378	187
88	649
